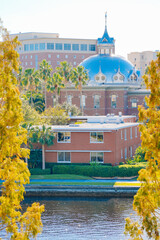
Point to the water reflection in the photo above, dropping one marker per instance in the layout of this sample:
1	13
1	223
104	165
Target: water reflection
84	219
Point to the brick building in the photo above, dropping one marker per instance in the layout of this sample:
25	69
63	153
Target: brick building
114	83
107	139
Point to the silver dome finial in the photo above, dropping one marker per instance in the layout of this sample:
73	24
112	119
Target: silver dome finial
105	20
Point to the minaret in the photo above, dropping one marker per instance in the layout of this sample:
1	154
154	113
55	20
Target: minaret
106	45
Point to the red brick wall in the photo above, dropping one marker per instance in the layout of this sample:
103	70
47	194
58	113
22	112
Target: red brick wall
80	141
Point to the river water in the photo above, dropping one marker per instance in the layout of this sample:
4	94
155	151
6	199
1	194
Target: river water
84	219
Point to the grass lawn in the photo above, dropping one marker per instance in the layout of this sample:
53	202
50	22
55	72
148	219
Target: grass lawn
123	184
60	176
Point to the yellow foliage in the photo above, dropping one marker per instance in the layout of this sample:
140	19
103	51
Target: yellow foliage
13	170
147	200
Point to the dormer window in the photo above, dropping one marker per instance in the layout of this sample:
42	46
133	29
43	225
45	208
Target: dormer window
100	77
133	77
118	77
104	40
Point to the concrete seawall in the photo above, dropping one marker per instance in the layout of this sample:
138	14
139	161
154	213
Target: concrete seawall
80	191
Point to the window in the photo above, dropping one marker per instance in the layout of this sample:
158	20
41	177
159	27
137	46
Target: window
121	153
42	46
131	133
50	46
75	47
49	55
66	56
74	56
97	157
74	63
31	56
92	47
26	57
69	99
64	137
26	47
136	132
83	47
134	103
113	101
58	46
49	62
26	63
125	134
83	101
125	153
130	151
36	61
83	57
96	137
31	47
36	46
30	63
67	46
64	157
96	101
58	62
121	134
57	56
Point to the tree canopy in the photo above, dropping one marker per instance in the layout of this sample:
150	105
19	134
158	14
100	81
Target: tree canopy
147	200
13	170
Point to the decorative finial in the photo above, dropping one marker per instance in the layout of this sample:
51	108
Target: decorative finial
105	20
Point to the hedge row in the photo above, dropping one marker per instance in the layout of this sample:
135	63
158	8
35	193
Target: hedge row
98	171
39	171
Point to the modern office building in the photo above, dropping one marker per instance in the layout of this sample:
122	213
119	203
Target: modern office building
141	60
38	46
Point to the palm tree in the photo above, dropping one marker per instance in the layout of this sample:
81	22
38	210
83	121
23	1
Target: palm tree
45	76
65	71
57	85
45	136
79	78
31	81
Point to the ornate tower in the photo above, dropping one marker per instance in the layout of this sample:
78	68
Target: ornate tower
106	45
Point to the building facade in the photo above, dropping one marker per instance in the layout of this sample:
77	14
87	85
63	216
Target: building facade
114	83
38	46
141	60
102	139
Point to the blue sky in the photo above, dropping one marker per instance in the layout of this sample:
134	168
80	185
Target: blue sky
133	23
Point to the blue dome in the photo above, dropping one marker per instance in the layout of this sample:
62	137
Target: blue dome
109	67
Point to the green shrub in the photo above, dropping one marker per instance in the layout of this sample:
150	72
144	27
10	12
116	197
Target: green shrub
98	170
39	171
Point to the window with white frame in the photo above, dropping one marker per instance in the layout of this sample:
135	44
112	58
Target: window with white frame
131	133
96	101
96	137
64	137
97	157
64	157
121	153
69	99
125	134
125	153
136	132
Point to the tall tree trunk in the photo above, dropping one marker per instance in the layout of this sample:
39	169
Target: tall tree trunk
45	96
43	157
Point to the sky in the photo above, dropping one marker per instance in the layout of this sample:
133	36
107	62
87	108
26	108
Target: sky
134	24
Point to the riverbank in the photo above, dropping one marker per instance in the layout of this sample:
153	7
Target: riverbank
82	191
